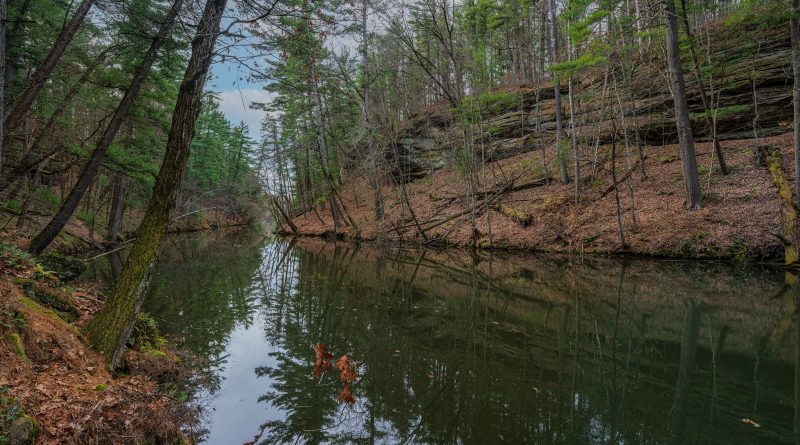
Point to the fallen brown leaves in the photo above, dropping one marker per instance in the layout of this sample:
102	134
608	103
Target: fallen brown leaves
345	365
738	211
320	363
65	386
347	374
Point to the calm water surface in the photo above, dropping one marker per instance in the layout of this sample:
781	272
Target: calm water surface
461	349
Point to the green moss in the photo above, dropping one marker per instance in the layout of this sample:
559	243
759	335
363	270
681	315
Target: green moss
156	353
87	218
11	319
39	309
49	196
24	430
19	347
775	166
739	250
490	103
15	426
60	305
100	387
11	205
66	268
145	334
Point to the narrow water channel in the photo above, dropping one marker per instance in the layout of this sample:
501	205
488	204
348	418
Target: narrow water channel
496	348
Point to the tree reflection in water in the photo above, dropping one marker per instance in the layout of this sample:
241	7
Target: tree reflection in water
460	349
456	348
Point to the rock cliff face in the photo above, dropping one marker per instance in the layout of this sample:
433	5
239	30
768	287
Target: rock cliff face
750	87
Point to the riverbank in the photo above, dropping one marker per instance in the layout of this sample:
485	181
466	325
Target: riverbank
55	389
518	204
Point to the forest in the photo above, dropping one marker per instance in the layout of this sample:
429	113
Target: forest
667	130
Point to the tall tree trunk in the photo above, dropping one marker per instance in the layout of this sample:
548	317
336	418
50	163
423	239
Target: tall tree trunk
574	134
118	197
376	183
110	329
795	24
323	145
117	207
710	121
562	158
3	15
37	81
51	230
691	180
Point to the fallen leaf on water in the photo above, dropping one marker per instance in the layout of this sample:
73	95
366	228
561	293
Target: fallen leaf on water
347	369
346	395
320	364
347	374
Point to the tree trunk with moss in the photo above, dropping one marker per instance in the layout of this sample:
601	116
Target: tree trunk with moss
795	24
3	13
92	167
110	329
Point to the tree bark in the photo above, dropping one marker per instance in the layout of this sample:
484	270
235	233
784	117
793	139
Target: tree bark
35	85
110	329
795	24
52	229
323	145
562	159
3	15
710	121
376	183
117	207
691	180
574	134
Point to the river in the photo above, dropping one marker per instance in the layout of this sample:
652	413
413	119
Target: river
455	348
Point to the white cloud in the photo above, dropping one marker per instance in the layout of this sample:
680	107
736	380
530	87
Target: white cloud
235	104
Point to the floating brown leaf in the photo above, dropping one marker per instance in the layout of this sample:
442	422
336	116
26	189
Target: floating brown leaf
320	364
346	395
347	369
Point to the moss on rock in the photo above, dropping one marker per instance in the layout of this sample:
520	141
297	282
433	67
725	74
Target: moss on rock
16	428
51	299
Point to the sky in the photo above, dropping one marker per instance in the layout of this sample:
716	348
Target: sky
236	92
235	96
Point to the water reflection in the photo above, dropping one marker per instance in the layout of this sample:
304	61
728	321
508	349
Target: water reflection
482	349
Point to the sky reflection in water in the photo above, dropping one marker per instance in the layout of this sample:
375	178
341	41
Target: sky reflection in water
489	349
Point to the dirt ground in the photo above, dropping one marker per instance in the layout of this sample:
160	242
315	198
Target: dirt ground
741	215
55	387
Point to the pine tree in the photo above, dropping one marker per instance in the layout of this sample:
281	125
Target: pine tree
90	170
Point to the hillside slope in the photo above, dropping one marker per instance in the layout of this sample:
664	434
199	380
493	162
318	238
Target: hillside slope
742	216
507	194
